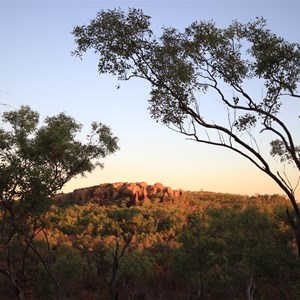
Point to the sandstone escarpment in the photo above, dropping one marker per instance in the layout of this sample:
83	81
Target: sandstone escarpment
110	193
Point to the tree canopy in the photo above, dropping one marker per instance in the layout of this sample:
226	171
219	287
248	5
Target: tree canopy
219	86
35	162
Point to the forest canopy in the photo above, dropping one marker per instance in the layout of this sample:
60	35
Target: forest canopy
200	245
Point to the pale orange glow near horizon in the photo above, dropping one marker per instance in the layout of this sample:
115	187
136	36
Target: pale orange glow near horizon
214	174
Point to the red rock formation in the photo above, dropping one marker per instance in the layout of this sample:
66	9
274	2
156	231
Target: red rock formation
109	193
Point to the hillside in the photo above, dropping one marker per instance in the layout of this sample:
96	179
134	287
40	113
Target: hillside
112	193
141	241
135	193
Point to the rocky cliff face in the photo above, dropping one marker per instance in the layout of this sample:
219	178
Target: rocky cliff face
109	193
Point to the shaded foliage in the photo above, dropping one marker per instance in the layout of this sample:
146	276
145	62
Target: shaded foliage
35	162
200	246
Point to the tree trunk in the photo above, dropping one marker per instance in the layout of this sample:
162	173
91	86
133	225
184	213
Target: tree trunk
114	278
12	275
297	235
19	290
21	295
295	225
200	294
250	288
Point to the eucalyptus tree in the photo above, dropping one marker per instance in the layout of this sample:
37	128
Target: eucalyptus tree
35	162
245	69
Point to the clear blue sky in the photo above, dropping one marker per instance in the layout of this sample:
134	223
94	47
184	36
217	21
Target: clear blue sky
37	69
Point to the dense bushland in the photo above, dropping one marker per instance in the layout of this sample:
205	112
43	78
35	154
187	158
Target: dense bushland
200	246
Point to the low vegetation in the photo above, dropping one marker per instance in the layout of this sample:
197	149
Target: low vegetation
201	245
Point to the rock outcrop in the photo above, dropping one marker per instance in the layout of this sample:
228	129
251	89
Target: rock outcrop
110	193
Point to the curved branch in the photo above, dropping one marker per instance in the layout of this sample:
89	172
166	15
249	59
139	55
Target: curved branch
288	141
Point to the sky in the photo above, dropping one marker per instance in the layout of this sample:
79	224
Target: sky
37	69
